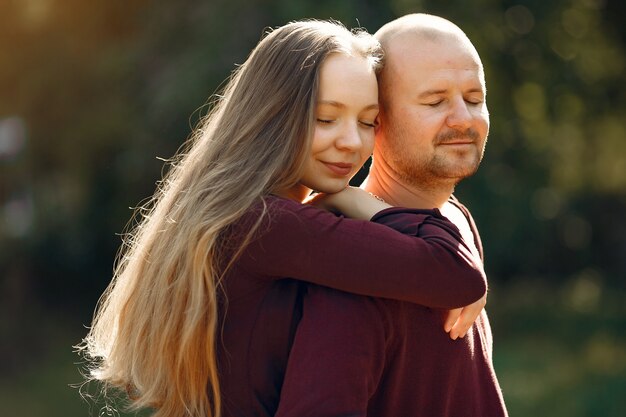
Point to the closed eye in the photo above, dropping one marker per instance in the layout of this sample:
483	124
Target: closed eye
325	121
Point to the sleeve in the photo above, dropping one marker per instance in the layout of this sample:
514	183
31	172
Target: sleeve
472	224
427	264
337	358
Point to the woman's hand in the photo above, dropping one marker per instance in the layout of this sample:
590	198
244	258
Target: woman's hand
458	321
352	202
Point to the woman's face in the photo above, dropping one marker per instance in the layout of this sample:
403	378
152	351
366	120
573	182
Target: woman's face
346	115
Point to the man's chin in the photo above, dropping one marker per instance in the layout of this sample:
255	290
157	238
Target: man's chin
458	168
455	176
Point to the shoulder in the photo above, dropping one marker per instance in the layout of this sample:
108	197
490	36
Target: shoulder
454	202
282	209
272	211
457	203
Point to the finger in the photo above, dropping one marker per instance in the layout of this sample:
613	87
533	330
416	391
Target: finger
464	333
466	320
451	318
456	330
460	330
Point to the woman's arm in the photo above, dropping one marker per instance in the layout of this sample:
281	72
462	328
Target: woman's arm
352	202
429	265
359	204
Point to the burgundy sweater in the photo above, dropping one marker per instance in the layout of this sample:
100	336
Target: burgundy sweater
361	356
295	244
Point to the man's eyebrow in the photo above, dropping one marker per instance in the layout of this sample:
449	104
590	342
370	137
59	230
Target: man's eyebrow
435	92
476	90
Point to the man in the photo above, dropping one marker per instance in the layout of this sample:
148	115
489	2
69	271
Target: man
358	356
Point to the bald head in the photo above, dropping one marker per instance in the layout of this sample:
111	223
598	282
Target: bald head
433	115
421	25
417	34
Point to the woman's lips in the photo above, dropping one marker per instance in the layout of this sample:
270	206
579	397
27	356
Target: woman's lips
339	168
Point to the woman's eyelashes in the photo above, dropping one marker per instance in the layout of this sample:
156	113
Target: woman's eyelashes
365	122
369	123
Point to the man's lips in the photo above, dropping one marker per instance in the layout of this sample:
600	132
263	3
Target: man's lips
339	168
453	137
457	143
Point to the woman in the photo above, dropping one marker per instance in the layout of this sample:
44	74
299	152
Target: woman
200	315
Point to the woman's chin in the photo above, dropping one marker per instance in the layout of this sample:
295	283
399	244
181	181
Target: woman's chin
332	190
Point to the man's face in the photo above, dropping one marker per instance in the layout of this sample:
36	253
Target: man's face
434	118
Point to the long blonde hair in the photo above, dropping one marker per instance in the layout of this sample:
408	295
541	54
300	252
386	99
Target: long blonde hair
156	326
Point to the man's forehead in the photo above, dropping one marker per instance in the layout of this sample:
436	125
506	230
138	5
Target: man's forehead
433	65
407	56
424	43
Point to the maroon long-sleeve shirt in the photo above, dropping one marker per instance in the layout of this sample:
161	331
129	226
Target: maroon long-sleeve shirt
295	244
361	356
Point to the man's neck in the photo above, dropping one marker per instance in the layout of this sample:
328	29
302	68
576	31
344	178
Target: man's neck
385	183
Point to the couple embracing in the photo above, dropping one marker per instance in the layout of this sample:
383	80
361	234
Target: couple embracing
261	284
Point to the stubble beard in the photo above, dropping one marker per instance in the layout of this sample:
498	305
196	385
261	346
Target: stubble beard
443	168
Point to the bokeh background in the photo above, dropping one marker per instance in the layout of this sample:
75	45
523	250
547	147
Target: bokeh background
92	93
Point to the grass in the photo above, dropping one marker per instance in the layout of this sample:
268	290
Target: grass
557	357
553	357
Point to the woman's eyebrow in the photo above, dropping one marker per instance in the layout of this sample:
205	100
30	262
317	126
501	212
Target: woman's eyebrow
342	106
332	103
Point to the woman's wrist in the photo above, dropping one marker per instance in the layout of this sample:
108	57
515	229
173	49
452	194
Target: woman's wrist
352	202
359	204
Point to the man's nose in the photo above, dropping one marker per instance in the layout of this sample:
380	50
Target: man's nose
460	116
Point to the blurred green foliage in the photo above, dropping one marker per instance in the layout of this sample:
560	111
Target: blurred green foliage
91	93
